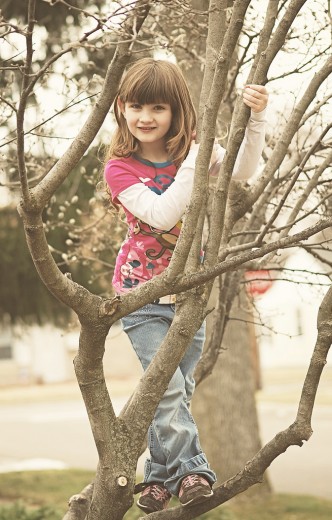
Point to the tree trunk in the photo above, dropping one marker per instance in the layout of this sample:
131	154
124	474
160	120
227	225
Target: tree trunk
224	404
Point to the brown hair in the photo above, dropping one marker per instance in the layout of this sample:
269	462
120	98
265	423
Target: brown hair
155	81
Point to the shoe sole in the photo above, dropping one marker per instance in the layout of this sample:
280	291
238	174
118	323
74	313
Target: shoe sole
147	509
197	500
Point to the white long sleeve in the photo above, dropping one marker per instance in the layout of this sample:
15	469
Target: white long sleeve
250	150
165	210
251	147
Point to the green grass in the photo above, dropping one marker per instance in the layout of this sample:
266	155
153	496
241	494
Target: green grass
43	488
43	495
281	507
18	511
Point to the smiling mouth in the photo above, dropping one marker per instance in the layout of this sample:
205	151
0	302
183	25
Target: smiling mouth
144	128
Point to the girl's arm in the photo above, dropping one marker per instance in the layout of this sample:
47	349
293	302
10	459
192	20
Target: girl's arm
250	150
165	210
256	98
251	147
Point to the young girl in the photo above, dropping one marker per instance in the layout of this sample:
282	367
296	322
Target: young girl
150	174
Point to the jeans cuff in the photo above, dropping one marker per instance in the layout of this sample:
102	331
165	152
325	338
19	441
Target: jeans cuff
198	465
154	472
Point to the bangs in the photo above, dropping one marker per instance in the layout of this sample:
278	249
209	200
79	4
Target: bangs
153	84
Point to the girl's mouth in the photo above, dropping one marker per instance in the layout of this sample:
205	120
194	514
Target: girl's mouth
146	128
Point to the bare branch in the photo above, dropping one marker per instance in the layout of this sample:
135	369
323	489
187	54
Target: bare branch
277	41
59	112
4	100
316	108
208	134
303	67
215	37
295	177
76	150
265	35
281	147
161	285
23	102
79	504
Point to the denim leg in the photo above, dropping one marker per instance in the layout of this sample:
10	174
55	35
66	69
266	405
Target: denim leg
173	438
146	330
190	360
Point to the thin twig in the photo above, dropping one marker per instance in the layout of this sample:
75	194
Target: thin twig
22	104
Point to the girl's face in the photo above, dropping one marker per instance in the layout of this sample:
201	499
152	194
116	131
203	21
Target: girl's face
148	123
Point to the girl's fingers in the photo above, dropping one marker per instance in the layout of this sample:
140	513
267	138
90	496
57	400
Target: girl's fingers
258	88
259	94
255	97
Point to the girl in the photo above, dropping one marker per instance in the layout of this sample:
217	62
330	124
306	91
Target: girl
150	174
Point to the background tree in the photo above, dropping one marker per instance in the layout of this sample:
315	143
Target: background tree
247	223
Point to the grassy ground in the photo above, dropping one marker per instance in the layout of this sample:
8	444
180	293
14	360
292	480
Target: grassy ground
43	495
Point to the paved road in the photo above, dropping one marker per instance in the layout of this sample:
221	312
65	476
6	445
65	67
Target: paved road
56	434
306	469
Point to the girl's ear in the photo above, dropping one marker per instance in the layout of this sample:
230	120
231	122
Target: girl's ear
121	106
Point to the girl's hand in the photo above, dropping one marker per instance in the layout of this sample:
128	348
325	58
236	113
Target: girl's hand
194	145
255	97
214	155
216	159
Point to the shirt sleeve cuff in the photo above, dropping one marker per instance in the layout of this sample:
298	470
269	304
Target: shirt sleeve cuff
258	116
190	160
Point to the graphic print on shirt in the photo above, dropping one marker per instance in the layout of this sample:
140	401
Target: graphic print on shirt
146	250
136	267
126	271
164	181
166	239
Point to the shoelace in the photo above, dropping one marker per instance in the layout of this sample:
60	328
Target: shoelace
190	480
158	492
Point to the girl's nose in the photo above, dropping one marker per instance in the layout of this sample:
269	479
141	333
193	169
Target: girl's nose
146	116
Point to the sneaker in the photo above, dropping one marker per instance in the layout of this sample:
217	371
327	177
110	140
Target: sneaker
154	497
194	489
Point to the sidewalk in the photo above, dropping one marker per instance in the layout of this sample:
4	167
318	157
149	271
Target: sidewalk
280	385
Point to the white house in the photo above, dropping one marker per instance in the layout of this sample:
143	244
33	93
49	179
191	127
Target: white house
288	313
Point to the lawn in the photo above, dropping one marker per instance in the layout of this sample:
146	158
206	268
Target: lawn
43	495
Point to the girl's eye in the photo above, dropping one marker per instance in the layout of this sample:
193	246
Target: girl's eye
159	107
135	106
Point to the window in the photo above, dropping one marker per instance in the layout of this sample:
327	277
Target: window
6	352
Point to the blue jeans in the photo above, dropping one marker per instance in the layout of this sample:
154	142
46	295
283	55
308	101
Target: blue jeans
172	438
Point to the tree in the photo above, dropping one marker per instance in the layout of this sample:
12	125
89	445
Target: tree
246	230
227	396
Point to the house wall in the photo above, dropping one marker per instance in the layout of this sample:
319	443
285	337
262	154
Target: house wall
288	313
45	355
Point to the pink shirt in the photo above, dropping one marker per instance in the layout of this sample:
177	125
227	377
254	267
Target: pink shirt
149	191
146	251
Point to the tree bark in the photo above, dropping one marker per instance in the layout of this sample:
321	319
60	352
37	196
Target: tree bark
224	405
